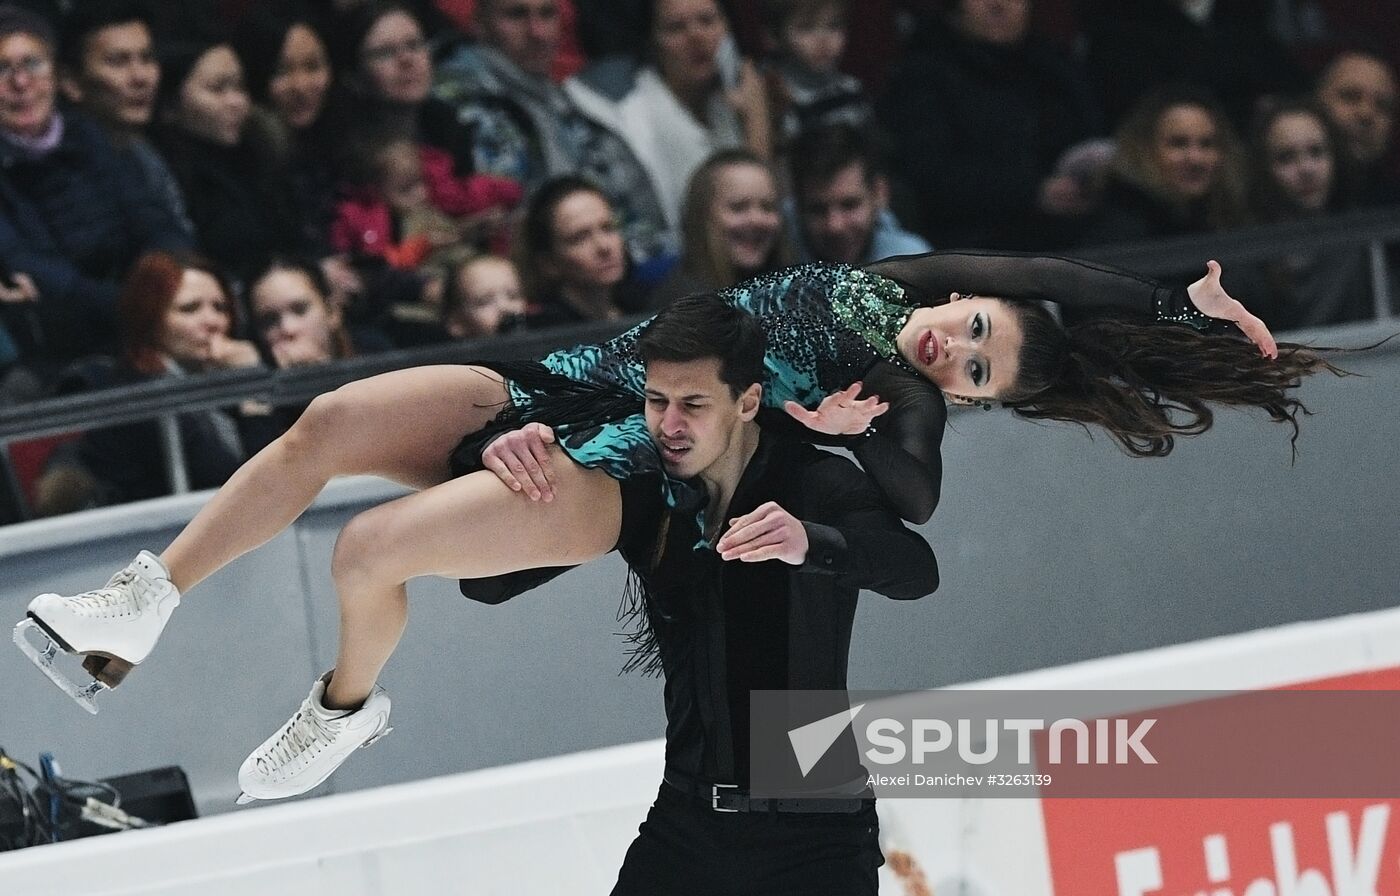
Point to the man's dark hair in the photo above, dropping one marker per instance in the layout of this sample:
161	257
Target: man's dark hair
706	326
91	16
819	154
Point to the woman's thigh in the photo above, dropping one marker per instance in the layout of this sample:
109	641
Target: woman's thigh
403	424
474	526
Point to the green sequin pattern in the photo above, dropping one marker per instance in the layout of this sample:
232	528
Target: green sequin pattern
873	307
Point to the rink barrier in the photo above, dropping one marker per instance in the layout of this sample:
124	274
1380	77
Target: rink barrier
562	825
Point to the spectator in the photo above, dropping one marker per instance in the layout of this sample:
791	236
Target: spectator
382	59
415	213
810	36
176	319
731	226
1224	47
18	296
1358	91
288	76
297	324
842	198
693	95
566	62
74	214
109	70
485	298
572	257
1179	169
981	111
526	127
293	316
237	192
1297	167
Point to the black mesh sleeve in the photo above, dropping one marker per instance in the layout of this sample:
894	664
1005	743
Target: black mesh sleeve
1069	282
903	454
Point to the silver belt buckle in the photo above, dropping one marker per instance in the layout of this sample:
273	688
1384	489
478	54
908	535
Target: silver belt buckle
714	796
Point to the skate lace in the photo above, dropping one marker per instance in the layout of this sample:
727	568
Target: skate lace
306	733
123	595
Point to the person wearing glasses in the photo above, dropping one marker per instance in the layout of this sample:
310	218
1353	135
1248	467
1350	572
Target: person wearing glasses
74	213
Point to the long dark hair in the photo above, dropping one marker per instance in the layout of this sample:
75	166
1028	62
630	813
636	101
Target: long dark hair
1146	384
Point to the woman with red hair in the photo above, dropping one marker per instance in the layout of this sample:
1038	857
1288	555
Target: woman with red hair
175	316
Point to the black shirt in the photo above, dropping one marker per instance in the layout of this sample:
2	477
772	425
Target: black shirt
723	629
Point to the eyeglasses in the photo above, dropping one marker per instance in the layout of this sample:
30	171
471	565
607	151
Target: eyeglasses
390	52
33	66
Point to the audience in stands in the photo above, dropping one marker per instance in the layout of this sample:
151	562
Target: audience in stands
1358	90
811	90
1298	173
732	227
842	200
571	255
550	22
526	127
981	112
176	317
689	96
1179	169
293	316
108	69
237	193
484	298
1222	46
287	74
379	140
74	213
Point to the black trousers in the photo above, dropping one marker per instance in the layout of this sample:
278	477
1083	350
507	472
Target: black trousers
685	848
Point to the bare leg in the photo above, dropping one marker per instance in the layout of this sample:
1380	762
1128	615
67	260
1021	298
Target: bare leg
467	528
400	425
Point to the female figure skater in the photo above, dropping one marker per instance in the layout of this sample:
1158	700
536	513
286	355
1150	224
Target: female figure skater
889	326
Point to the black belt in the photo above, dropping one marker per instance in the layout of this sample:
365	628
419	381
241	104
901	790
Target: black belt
731	798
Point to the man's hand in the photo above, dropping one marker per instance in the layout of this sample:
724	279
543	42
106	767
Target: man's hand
1211	299
840	413
521	460
767	533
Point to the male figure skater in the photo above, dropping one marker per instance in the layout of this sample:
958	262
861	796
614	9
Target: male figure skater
796	533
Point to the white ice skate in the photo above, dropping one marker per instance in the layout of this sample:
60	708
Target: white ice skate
112	628
313	743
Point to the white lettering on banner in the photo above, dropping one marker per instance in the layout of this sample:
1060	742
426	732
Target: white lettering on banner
1139	872
1355	865
1125	742
1081	741
881	733
929	736
922	745
1023	729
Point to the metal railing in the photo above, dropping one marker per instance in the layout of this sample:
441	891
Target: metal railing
165	398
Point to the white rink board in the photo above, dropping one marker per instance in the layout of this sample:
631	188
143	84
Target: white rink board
562	825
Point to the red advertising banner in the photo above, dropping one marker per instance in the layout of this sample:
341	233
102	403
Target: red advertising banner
1230	847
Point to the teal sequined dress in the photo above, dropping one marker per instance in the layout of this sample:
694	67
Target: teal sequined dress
826	326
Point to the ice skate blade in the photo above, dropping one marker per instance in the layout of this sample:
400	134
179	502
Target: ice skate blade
43	658
244	799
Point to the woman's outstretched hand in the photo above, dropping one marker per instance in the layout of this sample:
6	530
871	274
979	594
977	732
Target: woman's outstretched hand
840	413
1211	299
521	460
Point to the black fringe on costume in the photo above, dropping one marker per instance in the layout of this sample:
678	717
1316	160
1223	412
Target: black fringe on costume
563	404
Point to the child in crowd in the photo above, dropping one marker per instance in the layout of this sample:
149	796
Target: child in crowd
483	298
809	37
416	214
